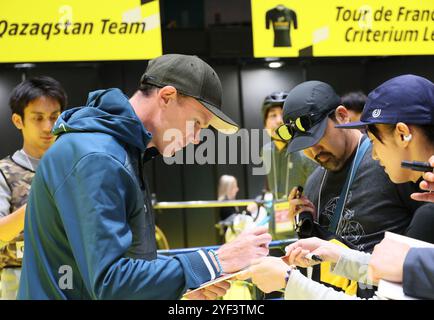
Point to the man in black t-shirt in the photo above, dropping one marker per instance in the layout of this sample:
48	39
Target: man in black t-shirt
281	18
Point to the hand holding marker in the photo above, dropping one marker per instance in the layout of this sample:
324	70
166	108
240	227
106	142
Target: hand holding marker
313	257
309	256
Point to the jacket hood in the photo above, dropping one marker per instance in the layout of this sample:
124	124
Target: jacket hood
109	112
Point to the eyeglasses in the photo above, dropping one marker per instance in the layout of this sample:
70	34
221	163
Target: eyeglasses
301	125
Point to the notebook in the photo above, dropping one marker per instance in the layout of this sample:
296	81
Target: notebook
224	277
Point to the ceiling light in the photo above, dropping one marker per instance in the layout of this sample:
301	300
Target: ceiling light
275	64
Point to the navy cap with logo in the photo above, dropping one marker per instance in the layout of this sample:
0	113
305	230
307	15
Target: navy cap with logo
191	76
407	98
314	101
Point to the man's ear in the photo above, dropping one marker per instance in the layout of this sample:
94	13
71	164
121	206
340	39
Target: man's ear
342	115
167	93
17	120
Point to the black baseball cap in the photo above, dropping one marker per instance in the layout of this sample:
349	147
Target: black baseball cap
193	77
312	99
407	98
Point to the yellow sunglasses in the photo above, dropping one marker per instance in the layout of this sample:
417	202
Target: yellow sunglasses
301	125
287	130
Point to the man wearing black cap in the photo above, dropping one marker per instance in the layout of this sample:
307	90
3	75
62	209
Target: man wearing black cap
89	227
349	195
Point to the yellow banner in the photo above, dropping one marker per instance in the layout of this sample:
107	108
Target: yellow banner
79	30
293	28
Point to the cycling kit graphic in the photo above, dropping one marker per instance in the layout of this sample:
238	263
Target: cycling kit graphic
281	17
350	229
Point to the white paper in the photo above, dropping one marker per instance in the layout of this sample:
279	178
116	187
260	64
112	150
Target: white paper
217	280
392	290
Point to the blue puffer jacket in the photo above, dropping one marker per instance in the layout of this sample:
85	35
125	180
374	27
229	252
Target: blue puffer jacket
89	228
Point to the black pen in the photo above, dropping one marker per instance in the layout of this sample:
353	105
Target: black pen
314	257
309	256
417	166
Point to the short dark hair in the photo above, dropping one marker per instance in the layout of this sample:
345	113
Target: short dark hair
354	101
372	128
34	88
147	88
332	115
427	131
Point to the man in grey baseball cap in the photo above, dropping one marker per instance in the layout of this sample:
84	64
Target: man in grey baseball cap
193	77
92	184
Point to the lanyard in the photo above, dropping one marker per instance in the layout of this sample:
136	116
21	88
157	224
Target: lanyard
337	214
273	157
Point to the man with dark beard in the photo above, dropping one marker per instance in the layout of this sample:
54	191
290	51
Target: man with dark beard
349	195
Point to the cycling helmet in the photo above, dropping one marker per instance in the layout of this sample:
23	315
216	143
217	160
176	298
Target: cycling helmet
272	100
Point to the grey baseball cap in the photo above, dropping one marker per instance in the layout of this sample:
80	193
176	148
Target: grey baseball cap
193	77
